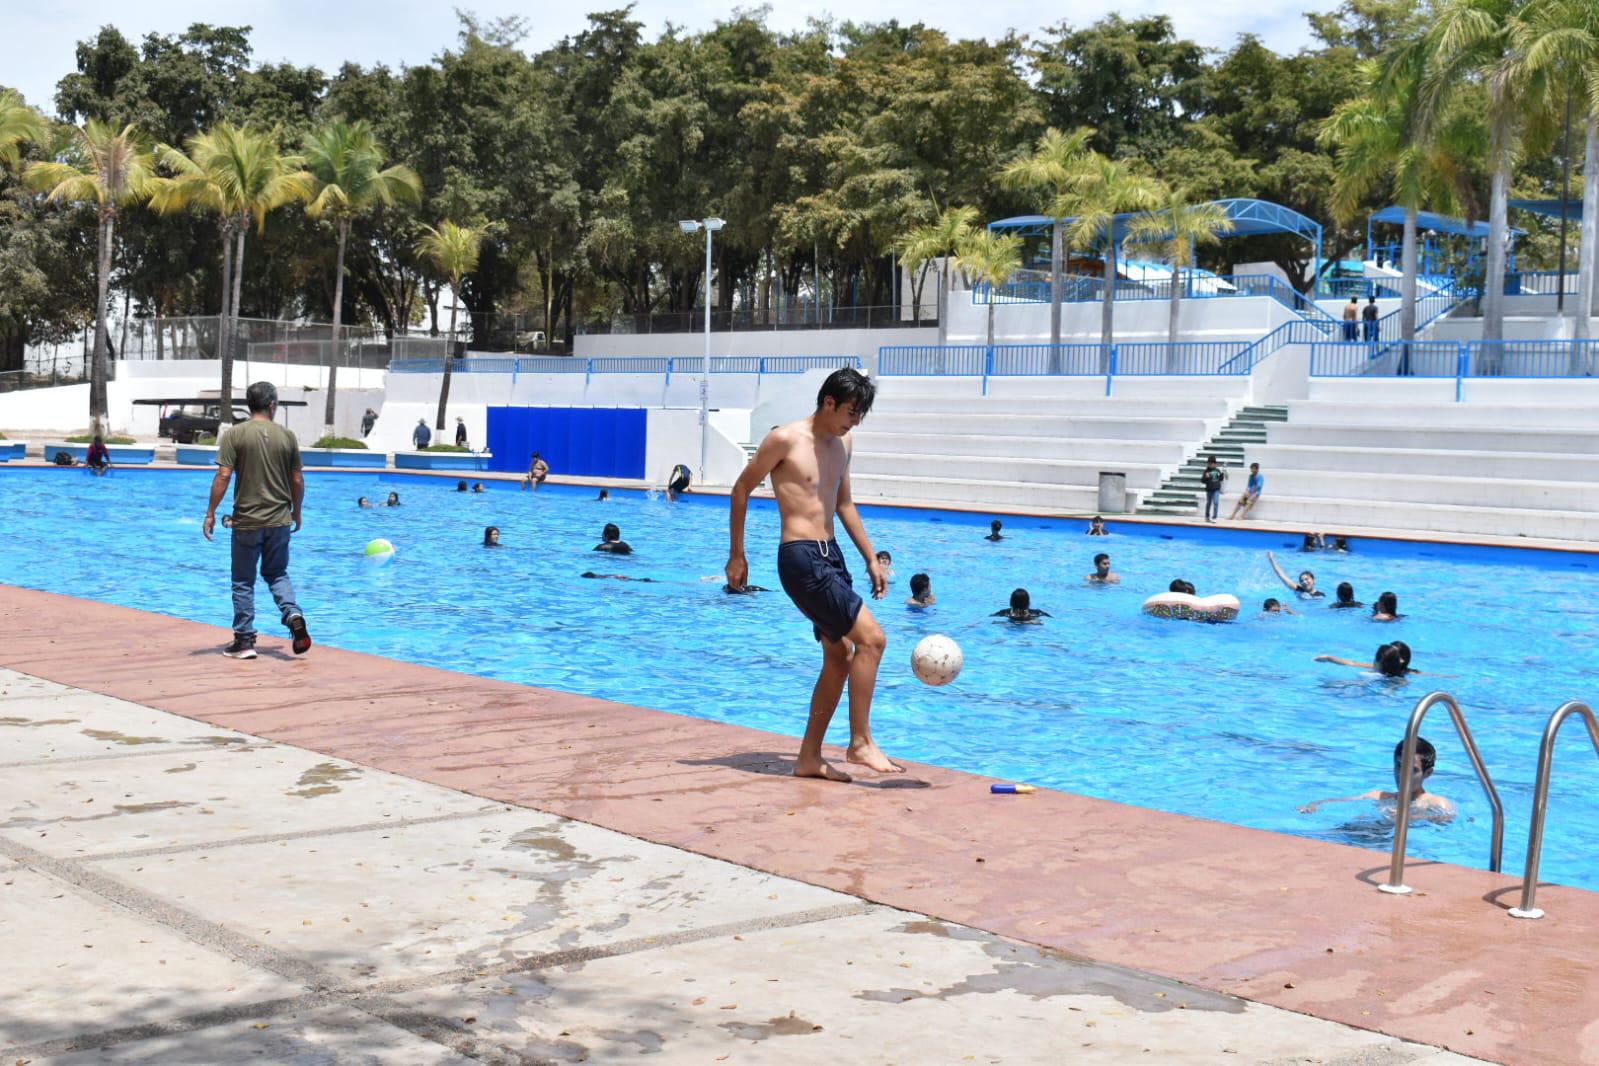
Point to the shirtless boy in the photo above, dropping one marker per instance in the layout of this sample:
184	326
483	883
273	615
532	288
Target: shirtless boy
808	462
1423	804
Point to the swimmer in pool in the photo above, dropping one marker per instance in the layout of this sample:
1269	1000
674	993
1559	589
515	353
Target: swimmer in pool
994	531
1179	585
1423	804
227	521
921	592
1340	544
1386	609
745	591
1346	597
605	494
612	577
460	486
1313	543
611	541
477	486
1021	611
1305	587
1273	607
1096	528
1391	660
491	537
886	561
1102	574
363	502
393	500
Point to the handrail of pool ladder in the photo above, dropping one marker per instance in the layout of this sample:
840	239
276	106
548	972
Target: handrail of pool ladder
1396	870
1540	800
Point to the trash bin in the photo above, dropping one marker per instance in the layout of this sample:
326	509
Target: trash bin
1112	492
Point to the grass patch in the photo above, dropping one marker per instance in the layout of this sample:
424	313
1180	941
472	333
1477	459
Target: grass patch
88	438
205	438
339	442
444	448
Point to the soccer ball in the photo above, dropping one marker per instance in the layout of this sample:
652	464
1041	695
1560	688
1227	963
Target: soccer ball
937	660
379	552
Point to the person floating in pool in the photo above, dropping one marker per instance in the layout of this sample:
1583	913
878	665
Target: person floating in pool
1305	587
808	461
886	561
747	590
1271	606
363	502
1386	609
613	577
611	541
537	471
994	530
1021	611
1346	597
491	537
679	482
921	592
1103	575
393	500
1179	585
1423	804
1096	527
1391	660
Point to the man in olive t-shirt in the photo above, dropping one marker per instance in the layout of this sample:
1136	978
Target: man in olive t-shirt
266	501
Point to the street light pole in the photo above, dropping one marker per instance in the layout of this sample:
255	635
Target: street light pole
710	225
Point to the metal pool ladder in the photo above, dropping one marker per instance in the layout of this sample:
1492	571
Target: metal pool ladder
1540	801
1396	870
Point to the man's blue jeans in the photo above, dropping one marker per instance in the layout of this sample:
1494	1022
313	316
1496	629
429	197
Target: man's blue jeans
268	549
1213	504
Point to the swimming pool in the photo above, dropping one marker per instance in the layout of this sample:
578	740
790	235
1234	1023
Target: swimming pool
1233	722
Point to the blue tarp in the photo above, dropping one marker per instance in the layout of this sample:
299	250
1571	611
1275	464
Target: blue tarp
1436	223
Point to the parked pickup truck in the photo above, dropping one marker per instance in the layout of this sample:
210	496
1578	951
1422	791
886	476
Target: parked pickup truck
187	423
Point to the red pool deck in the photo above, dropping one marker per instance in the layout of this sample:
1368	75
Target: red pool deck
1294	923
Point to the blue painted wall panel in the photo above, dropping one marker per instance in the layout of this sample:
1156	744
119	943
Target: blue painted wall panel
578	441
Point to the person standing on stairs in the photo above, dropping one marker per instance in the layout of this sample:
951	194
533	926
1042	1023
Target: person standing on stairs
1211	478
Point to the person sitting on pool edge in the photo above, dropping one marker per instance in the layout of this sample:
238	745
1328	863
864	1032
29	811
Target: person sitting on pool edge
1102	573
460	486
1386	609
393	500
98	458
1273	607
1305	587
611	541
1428	805
993	531
1021	610
537	471
921	592
1096	527
491	537
1346	597
887	562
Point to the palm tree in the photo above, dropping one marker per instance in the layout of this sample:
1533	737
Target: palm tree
347	165
989	260
1105	189
19	124
1173	233
939	239
1054	169
111	169
453	251
1377	143
242	175
1561	37
1476	40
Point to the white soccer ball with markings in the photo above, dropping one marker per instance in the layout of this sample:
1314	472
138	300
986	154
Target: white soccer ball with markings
937	660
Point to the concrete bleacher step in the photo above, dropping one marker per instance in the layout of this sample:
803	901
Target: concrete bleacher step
1531	437
971	493
1464	491
1003	422
1541	466
999	468
1334	513
1087	449
1182	491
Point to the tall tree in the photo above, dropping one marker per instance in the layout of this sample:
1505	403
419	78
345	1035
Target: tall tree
453	250
1107	190
940	240
19	125
1053	169
991	260
1174	233
111	169
350	180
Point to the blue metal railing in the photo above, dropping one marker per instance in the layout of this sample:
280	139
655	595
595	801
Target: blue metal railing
1461	360
1184	359
648	364
1421	359
1187	359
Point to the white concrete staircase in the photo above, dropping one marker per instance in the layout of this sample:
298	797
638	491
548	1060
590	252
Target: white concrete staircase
1516	458
1032	442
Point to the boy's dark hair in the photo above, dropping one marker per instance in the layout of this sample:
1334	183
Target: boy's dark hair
1209	459
995	524
460	486
1271	605
1098	519
885	555
1390	661
1020	601
261	396
919	583
1179	585
1100	558
1404	651
1387	603
1346	592
1428	753
847	385
610	532
1254	466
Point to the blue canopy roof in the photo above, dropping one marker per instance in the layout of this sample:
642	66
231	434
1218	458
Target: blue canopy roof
1249	218
1549	207
1437	223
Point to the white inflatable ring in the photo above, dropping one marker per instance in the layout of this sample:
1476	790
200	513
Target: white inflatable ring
1222	608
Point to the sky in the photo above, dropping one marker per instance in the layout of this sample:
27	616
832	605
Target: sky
408	32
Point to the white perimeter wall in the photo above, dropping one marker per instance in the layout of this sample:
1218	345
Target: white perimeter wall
861	343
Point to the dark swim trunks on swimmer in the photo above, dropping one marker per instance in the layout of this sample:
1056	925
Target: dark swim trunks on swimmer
816	578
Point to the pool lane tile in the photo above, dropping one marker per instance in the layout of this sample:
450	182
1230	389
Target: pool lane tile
881	988
313	1036
203	795
1234	909
460	895
72	964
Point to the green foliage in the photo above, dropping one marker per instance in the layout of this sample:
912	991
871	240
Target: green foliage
445	448
331	441
88	438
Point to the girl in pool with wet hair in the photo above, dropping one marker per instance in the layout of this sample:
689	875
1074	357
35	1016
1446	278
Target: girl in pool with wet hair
1386	609
491	537
1391	660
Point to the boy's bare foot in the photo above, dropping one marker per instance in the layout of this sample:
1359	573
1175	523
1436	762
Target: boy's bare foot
872	757
820	768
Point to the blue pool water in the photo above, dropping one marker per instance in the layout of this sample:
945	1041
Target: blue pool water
1232	722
